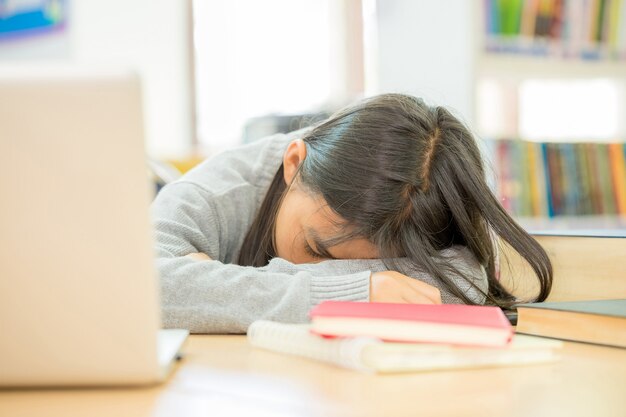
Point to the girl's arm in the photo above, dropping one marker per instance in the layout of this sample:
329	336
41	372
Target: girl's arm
211	296
215	297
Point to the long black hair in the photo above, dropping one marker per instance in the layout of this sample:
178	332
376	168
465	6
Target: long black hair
408	177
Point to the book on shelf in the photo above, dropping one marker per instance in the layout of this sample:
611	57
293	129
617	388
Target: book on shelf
618	172
373	355
561	179
578	29
442	323
598	321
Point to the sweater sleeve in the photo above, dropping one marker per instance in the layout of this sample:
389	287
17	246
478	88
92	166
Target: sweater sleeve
216	297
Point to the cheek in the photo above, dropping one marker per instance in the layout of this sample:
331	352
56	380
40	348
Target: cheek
286	230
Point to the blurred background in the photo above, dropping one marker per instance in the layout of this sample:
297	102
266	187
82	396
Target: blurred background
542	83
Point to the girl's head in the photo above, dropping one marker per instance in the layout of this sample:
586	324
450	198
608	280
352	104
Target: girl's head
386	178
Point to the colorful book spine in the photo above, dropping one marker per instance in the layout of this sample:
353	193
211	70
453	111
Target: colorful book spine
590	152
561	179
606	181
569	180
549	185
584	180
556	178
620	43
618	174
534	179
577	29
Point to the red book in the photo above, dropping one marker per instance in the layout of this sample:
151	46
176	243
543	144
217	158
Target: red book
442	323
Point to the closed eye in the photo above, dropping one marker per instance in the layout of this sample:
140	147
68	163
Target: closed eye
309	250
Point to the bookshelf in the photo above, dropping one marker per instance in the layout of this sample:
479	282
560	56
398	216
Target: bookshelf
521	67
566	185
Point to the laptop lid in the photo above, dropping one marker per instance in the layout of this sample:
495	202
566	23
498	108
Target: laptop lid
78	289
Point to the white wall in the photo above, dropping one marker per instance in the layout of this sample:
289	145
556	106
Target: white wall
255	58
426	48
151	36
51	46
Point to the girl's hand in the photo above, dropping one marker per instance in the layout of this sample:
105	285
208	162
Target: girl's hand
199	257
393	287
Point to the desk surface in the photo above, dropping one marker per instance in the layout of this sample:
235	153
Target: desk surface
224	376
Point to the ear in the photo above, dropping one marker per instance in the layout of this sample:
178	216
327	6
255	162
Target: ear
293	157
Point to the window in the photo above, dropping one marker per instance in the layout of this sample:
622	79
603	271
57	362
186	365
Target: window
255	58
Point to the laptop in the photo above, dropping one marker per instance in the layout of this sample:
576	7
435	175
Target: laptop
79	299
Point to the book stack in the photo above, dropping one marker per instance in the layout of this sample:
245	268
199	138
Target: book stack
601	322
561	179
387	338
576	29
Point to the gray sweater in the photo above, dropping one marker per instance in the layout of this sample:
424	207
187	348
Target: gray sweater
209	210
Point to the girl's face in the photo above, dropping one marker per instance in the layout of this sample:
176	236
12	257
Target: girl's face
303	225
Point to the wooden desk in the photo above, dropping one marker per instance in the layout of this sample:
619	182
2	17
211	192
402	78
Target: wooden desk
224	376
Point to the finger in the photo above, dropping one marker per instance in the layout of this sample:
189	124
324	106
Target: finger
419	296
198	257
414	297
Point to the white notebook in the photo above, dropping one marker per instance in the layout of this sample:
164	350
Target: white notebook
374	355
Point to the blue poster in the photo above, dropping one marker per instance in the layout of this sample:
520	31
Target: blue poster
20	18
